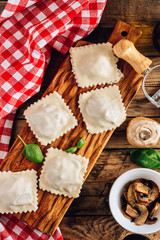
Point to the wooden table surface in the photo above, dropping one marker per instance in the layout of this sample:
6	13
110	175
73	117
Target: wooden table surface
89	217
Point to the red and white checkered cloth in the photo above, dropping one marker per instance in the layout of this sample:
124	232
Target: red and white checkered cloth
13	229
29	29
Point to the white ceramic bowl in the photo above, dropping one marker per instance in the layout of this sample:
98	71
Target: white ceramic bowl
115	195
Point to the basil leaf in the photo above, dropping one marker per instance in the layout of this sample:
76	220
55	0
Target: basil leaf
146	157
71	150
80	143
33	153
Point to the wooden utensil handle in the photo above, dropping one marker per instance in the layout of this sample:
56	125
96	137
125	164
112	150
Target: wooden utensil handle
126	50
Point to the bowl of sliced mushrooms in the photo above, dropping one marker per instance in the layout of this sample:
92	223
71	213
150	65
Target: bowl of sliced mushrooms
135	200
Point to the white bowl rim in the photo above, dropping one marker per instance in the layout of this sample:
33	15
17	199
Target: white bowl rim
143	229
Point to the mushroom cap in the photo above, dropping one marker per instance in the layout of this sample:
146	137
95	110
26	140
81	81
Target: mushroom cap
143	132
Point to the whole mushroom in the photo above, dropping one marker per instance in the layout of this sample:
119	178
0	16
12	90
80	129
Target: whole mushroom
143	132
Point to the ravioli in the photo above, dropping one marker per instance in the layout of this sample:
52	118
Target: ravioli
50	118
102	109
18	191
95	64
63	173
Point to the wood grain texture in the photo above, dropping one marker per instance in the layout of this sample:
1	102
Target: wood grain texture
96	228
52	207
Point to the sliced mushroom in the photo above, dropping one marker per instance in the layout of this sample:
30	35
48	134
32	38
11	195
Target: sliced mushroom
137	197
140	200
125	214
140	187
151	220
153	193
131	211
143	132
145	191
125	195
143	214
130	195
123	206
127	185
153	208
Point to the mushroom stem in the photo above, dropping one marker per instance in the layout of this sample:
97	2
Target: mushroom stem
145	134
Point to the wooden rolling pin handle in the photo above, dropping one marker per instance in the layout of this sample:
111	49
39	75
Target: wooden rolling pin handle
126	50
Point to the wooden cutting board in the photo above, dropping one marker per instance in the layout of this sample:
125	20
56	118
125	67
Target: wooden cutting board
53	207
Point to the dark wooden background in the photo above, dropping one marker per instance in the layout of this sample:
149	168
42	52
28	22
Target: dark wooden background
89	217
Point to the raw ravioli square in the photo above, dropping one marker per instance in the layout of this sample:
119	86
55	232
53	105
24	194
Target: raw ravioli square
63	173
18	191
50	118
102	109
95	64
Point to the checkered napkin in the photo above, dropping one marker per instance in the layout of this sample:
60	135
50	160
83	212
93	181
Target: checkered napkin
13	229
29	29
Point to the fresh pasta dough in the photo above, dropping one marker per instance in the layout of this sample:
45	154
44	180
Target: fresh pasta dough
18	191
63	173
95	64
102	109
50	118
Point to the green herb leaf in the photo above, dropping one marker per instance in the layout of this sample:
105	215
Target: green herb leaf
32	152
71	150
147	157
80	143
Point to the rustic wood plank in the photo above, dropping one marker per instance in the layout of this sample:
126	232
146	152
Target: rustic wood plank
88	228
134	11
51	207
95	228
